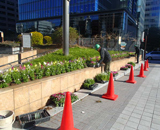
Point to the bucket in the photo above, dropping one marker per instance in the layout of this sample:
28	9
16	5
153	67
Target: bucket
6	123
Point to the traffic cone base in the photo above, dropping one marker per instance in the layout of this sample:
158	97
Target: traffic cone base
113	97
141	76
133	82
71	129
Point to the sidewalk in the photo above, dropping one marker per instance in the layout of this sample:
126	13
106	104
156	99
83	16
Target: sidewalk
137	106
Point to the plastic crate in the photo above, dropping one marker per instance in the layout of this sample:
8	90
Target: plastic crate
31	119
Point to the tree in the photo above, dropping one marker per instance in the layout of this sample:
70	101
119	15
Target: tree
47	40
57	35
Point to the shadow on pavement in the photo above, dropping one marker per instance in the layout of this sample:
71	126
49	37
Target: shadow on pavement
42	128
98	95
120	80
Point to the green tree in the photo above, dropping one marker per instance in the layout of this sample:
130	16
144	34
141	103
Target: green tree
58	34
37	38
47	40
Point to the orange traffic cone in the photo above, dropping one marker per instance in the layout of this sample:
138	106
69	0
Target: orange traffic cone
145	66
131	77
67	118
110	92
141	73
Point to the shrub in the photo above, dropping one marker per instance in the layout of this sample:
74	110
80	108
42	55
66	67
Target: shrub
19	37
132	63
47	40
58	35
103	77
88	82
37	38
114	73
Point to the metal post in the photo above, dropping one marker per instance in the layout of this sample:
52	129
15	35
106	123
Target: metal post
145	47
66	27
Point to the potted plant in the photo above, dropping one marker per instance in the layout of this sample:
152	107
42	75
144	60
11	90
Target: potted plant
89	84
114	73
132	63
128	65
123	68
59	98
102	78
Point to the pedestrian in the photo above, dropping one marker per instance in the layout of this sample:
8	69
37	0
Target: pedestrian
105	57
137	52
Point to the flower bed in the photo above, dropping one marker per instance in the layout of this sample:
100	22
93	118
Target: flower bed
114	73
59	64
89	84
124	68
59	98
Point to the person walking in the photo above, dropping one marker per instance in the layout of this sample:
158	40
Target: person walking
137	53
105	57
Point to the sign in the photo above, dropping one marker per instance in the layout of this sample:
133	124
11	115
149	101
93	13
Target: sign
119	41
2	34
123	45
142	37
26	40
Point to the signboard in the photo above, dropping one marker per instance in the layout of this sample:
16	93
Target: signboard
119	41
26	40
2	34
123	45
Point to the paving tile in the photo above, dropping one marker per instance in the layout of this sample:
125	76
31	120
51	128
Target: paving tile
133	119
145	123
155	126
135	115
132	124
142	127
118	126
129	128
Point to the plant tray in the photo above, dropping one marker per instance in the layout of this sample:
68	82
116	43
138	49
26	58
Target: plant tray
92	87
31	119
102	82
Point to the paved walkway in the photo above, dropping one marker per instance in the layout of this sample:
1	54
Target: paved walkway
137	107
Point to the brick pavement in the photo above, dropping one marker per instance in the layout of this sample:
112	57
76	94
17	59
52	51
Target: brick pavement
137	106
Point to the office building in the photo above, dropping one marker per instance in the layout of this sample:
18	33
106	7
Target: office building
8	17
152	13
89	17
140	17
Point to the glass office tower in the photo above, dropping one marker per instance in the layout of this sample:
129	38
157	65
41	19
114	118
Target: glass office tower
33	9
152	13
89	17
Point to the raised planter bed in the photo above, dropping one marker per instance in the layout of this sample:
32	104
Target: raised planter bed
30	96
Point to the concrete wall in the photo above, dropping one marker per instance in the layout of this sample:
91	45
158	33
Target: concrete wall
30	96
12	58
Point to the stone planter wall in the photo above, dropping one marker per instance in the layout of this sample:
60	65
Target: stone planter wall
30	96
14	58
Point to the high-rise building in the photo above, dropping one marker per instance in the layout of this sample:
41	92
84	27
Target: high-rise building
89	17
8	17
152	13
140	17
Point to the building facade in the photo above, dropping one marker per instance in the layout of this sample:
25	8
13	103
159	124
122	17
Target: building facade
89	17
8	17
152	13
141	18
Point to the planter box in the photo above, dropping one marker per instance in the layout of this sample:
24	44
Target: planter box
91	87
30	96
31	119
103	82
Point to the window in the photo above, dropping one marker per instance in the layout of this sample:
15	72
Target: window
10	3
11	9
10	14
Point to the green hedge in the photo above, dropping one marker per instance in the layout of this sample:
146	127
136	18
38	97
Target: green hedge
37	38
47	40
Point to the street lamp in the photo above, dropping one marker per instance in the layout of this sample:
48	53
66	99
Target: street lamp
66	27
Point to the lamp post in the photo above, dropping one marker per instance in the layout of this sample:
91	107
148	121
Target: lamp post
66	27
146	34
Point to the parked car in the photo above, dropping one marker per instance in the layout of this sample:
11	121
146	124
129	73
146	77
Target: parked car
153	55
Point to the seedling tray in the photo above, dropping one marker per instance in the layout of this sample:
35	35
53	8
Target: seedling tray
31	119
